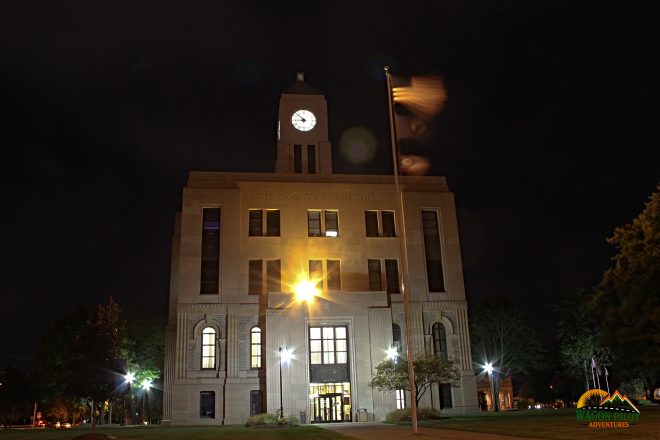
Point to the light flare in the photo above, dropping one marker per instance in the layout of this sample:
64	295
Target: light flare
425	96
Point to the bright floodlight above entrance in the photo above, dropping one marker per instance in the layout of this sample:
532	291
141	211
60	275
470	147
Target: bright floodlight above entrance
488	367
305	290
392	353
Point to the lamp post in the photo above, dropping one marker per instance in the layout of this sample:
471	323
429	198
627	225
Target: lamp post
285	355
146	384
489	369
129	378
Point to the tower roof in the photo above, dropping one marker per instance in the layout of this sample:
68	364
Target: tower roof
300	87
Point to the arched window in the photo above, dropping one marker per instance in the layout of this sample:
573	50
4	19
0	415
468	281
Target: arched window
208	348
255	348
439	341
396	336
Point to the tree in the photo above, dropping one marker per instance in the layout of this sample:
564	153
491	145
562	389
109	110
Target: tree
16	395
428	369
580	339
627	300
500	334
94	365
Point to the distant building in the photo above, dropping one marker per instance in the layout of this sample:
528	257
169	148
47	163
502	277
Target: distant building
485	390
243	241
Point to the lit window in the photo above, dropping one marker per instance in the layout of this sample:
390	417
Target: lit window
328	345
255	348
400	399
322	223
208	348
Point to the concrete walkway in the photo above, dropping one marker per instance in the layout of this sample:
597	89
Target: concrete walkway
385	431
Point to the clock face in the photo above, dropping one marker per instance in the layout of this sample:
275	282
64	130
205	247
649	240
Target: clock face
303	120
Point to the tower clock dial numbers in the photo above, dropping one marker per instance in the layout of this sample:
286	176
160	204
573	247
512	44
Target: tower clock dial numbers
303	120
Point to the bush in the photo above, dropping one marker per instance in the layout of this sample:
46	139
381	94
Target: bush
271	421
405	415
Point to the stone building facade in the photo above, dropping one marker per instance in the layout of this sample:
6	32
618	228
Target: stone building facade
239	342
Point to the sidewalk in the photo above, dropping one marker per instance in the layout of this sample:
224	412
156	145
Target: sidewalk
385	431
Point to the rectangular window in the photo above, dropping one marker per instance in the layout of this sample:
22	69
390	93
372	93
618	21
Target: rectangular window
329	227
255	282
375	279
209	279
334	275
331	224
392	276
314	223
445	396
433	251
380	223
388	224
273	275
207	404
297	159
311	159
316	272
400	399
273	223
256	226
255	402
371	222
328	345
208	348
256	221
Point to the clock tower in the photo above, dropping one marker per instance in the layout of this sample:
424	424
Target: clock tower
303	146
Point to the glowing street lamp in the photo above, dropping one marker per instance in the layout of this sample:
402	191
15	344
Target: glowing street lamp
305	290
129	377
488	368
146	384
392	353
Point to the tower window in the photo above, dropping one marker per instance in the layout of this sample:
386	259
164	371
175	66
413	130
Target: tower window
433	251
396	336
316	272
311	159
297	159
334	275
392	276
439	341
274	276
209	279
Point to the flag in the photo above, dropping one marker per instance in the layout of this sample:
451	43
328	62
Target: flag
416	101
606	373
593	363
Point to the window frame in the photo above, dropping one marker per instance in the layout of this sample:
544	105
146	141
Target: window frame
255	277
264	223
432	239
439	340
375	275
256	330
320	223
329	353
210	249
374	223
202	415
213	355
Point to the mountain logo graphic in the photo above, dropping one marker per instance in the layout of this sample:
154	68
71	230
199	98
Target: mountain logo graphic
600	410
618	400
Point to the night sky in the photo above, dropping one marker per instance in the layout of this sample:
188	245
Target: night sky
549	138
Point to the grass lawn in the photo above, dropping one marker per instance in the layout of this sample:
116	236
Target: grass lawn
176	433
550	424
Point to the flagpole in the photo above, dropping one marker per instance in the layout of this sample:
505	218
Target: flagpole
606	381
593	377
404	254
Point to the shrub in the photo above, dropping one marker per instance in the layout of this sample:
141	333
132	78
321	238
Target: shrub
267	420
405	415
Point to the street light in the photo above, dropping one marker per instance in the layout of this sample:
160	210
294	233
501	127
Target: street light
285	356
488	368
146	384
392	353
305	290
128	416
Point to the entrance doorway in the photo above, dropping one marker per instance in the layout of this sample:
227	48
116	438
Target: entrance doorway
330	403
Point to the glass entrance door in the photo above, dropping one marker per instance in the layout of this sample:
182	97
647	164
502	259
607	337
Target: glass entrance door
330	403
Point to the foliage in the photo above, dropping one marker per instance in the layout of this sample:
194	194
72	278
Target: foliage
271	420
627	300
16	395
632	388
428	369
500	333
405	414
580	336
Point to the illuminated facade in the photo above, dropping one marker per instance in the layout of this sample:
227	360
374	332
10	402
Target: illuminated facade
243	241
